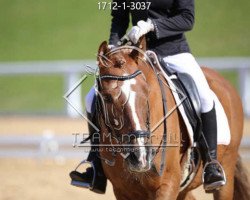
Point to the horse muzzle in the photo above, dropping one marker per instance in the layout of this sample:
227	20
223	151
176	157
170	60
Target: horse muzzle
140	157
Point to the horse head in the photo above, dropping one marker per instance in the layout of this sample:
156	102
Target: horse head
123	91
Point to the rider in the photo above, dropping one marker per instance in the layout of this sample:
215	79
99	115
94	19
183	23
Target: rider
164	25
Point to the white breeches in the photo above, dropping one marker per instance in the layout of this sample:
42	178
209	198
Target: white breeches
186	63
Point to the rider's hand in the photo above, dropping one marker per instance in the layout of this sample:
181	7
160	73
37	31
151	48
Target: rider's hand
141	29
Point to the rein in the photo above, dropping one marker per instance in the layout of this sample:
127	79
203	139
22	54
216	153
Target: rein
164	137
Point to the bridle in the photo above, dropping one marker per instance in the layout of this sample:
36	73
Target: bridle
99	104
120	78
137	133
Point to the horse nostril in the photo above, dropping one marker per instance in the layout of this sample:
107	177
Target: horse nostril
137	153
133	158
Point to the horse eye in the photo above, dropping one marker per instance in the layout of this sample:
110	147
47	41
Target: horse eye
108	98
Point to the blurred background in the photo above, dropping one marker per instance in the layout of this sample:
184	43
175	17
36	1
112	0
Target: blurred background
45	46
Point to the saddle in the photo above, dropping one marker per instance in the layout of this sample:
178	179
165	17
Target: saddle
188	90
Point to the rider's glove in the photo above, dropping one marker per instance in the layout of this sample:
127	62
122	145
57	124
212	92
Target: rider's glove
141	29
111	46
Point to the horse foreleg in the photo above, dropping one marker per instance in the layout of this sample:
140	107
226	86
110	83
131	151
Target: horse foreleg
170	182
186	196
226	192
165	192
169	189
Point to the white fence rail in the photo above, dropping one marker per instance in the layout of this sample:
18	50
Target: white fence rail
72	71
60	147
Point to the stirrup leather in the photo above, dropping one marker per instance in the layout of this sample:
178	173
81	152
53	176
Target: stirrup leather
82	184
215	185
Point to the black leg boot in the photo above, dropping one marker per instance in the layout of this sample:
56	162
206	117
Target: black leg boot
94	177
213	173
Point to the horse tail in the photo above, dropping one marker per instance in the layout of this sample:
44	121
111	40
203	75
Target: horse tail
241	183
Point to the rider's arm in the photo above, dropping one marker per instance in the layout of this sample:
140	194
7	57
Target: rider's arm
119	23
182	20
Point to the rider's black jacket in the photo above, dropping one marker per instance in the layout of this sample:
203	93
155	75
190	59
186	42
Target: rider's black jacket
171	18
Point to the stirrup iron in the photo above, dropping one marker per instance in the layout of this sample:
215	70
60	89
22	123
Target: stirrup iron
85	185
215	185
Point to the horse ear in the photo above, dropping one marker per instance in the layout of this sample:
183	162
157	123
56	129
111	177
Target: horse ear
141	44
103	50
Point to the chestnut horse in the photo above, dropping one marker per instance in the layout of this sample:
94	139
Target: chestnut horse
130	103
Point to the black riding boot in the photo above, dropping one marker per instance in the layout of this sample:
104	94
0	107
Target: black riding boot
87	179
213	173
